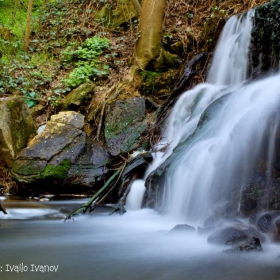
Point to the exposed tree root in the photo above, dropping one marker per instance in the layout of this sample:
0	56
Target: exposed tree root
96	199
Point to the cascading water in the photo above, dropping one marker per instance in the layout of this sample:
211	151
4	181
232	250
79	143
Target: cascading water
219	147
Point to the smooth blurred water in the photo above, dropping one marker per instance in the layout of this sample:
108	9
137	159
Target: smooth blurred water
137	245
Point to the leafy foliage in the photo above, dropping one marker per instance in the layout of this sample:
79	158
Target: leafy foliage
85	58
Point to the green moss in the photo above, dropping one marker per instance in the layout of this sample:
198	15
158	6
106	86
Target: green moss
158	82
28	167
57	172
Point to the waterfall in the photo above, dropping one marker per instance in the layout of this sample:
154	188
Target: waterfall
214	149
218	131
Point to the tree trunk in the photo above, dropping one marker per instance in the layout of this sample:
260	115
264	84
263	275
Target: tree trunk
28	21
148	45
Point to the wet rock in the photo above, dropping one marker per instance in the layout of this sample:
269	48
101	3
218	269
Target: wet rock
211	221
277	230
260	194
253	219
264	223
206	230
252	244
124	123
138	163
51	153
264	56
154	188
182	228
229	235
78	96
16	128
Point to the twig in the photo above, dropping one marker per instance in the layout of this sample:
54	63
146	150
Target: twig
83	209
100	121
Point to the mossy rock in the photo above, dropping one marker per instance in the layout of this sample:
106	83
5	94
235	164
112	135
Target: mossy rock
157	83
16	128
78	96
124	124
49	155
57	171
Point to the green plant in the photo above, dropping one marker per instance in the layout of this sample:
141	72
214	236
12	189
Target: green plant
86	60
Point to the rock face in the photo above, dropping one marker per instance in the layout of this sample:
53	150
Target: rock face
16	128
61	153
124	123
265	56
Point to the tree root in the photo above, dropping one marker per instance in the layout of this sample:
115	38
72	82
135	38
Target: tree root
95	199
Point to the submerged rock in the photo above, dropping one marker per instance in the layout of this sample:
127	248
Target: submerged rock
252	244
16	128
229	235
183	228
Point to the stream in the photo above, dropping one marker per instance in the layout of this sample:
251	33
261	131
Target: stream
137	245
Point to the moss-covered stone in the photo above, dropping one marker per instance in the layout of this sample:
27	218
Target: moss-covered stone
124	123
57	171
28	167
157	83
16	128
78	96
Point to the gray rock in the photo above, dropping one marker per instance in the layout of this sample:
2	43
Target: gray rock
182	228
63	154
124	124
264	223
229	235
252	244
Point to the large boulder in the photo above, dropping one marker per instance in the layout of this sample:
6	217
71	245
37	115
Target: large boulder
124	124
61	153
16	128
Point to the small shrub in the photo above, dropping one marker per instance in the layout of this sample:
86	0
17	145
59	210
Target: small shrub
87	62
